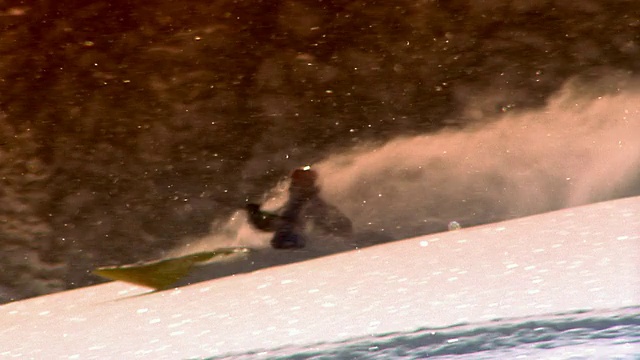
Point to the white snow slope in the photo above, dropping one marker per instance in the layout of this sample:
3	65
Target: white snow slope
572	274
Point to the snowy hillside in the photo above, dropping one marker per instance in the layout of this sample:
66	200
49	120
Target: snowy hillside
561	283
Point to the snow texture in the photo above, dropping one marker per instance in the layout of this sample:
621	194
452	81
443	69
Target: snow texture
566	282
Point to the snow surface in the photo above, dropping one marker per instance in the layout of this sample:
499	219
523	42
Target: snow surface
576	272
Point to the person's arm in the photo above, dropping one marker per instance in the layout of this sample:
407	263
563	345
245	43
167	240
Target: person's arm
262	220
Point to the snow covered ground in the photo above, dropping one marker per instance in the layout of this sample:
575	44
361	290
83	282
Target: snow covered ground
559	285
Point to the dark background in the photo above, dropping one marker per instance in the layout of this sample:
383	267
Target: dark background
126	126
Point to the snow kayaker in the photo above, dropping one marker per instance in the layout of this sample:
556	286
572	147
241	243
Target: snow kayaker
304	205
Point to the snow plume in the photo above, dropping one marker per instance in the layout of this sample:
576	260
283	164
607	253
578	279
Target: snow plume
581	148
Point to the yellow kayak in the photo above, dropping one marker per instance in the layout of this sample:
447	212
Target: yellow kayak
160	274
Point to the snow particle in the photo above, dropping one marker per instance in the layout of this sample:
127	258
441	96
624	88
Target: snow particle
454	225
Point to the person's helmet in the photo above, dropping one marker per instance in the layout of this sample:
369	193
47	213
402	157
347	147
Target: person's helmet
304	178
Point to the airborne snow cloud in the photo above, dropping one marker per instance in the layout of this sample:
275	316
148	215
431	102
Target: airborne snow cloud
581	148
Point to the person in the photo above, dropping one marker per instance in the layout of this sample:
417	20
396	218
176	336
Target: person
303	206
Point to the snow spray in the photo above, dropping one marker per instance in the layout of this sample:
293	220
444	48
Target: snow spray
582	147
